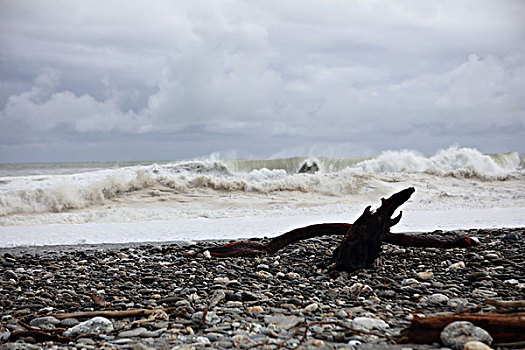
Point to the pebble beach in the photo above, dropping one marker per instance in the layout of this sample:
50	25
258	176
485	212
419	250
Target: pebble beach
198	301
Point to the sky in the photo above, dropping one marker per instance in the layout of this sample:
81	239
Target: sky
170	80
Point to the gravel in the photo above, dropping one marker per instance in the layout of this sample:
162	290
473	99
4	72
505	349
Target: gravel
209	302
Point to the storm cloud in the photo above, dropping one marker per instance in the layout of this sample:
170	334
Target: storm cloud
103	80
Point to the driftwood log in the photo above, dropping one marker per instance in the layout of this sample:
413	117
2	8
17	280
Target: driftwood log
504	328
362	240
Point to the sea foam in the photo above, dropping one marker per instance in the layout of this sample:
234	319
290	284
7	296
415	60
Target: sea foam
337	179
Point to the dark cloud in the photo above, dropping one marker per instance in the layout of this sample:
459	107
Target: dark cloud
175	79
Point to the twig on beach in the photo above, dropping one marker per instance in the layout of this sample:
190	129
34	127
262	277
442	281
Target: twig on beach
506	303
39	335
204	314
112	313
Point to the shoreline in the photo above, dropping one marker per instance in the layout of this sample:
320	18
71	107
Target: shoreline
242	302
105	246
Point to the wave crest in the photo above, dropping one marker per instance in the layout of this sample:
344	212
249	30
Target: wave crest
334	177
456	162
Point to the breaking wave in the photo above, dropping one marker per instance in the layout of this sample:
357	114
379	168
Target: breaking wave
320	175
455	162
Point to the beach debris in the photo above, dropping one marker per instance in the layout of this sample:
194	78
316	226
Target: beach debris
99	300
50	333
502	327
459	333
506	303
361	244
362	240
112	313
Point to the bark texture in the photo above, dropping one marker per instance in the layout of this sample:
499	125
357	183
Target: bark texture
361	245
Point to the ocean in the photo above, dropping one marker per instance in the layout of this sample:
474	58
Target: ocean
213	198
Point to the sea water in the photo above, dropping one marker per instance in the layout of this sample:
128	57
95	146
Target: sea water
213	198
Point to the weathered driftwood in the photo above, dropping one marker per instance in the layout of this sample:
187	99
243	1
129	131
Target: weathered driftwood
506	303
361	245
371	224
111	313
38	335
251	249
503	328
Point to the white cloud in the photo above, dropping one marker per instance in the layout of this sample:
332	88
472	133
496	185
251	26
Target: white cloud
258	76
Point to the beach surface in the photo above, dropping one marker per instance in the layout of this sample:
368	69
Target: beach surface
205	302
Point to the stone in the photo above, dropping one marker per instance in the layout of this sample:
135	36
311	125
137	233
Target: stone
283	322
457	266
10	274
140	346
457	334
203	340
425	275
92	326
359	288
234	304
132	333
437	299
458	302
221	280
242	341
255	309
211	318
213	337
410	281
484	293
217	297
311	308
45	322
318	343
263	274
293	275
476	345
511	237
368	323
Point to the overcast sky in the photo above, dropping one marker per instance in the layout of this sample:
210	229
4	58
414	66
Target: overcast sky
151	80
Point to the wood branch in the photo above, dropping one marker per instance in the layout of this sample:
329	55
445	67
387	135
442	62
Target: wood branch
506	303
434	240
52	330
502	327
252	249
38	335
361	245
111	313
